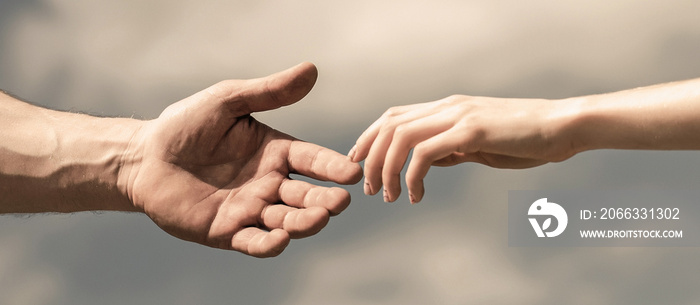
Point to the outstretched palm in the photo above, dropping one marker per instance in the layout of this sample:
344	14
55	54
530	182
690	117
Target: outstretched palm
208	172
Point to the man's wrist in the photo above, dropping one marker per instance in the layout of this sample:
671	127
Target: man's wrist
92	154
53	161
129	165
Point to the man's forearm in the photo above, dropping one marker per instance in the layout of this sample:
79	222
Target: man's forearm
53	161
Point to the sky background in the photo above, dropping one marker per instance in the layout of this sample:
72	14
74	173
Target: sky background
134	58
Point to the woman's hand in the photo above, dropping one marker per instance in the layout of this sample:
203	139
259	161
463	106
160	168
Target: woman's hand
502	133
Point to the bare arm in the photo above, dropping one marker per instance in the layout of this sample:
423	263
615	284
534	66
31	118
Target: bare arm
660	117
521	133
204	170
52	161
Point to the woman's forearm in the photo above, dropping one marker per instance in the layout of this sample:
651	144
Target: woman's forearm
53	161
522	133
661	117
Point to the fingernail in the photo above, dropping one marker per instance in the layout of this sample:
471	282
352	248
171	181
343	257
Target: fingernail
351	154
368	189
412	198
386	196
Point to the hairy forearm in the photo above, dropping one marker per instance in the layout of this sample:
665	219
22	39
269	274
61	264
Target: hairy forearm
53	161
663	117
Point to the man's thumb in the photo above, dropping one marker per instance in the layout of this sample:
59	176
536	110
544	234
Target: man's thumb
273	91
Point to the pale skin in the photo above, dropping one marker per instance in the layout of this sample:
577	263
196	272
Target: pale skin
522	133
204	170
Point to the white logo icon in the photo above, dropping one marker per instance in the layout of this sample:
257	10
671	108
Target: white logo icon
543	208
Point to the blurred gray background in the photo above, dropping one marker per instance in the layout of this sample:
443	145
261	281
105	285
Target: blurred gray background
133	58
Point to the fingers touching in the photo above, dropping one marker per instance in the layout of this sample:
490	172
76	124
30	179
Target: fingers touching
322	163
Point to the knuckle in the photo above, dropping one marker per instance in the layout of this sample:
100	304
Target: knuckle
419	151
420	154
473	133
452	99
221	88
401	133
400	130
413	179
274	94
386	131
392	112
220	85
389	173
410	177
342	202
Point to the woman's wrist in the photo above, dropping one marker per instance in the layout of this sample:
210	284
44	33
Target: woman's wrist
562	128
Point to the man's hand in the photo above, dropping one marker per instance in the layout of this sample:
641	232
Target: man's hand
208	172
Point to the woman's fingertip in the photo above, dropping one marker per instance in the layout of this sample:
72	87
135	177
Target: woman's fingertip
352	153
412	198
421	193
